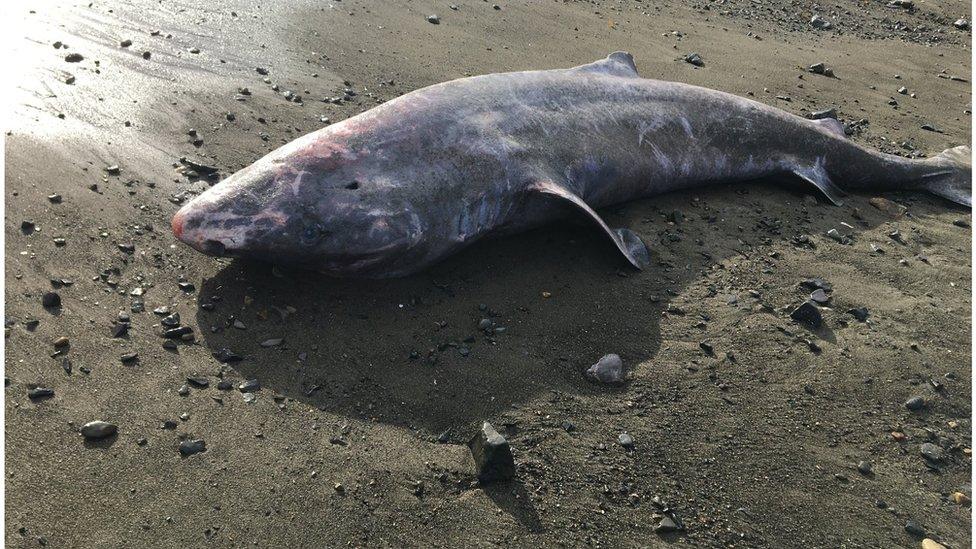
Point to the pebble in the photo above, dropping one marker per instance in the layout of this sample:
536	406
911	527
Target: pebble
492	455
51	300
184	390
625	440
94	430
915	403
819	296
961	24
931	452
74	57
915	529
859	313
960	498
434	19
666	525
819	22
119	329
695	59
129	357
224	385
865	468
808	313
38	393
125	43
199	382
171	320
929	543
249	386
249	397
61	342
273	342
826	113
609	370
190	447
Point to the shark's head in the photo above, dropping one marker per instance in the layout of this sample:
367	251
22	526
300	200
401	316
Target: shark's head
311	203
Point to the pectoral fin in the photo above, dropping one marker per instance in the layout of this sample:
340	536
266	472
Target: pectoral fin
626	240
817	176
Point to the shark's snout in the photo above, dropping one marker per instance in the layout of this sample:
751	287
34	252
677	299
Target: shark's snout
177	224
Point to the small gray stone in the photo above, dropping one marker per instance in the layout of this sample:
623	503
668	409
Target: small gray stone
915	403
819	22
625	440
249	386
865	468
434	19
819	296
492	455
931	452
609	369
915	529
695	59
190	447
94	430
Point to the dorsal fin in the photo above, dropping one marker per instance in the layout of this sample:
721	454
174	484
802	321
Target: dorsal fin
618	63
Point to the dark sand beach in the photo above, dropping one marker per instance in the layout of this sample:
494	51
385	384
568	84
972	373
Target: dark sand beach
748	428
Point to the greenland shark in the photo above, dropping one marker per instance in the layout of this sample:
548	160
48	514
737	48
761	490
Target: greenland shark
417	178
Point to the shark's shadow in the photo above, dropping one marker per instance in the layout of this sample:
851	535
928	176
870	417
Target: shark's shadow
414	352
418	352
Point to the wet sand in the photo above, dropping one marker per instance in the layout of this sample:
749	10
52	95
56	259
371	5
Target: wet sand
357	435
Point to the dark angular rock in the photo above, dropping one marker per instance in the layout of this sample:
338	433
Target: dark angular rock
199	382
177	333
225	355
808	313
171	321
695	59
249	386
190	447
119	329
860	313
931	452
492	455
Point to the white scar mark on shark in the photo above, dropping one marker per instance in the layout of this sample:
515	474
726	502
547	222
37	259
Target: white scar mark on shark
296	184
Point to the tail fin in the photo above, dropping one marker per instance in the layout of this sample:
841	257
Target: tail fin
955	180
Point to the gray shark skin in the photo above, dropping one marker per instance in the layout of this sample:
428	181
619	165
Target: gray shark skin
412	181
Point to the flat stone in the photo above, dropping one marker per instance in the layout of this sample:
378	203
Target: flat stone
38	393
492	455
94	430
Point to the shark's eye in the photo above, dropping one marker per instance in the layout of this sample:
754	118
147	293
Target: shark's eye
311	234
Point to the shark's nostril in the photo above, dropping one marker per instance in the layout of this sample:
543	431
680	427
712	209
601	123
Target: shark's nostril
214	247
